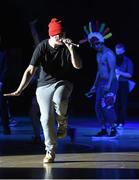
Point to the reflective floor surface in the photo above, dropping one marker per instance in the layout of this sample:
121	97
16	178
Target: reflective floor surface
80	157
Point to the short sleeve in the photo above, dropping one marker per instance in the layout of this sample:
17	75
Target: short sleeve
37	55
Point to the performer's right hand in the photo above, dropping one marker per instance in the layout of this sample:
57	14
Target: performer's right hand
16	93
88	94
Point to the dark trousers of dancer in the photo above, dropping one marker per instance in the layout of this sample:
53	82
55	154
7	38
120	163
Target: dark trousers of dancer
122	101
4	114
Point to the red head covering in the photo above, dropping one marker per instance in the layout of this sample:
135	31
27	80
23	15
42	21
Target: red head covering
55	27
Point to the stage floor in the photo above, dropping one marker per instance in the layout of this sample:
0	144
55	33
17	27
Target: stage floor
83	157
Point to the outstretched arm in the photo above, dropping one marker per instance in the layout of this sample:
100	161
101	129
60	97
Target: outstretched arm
27	76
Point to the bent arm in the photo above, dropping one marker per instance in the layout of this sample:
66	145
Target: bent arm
75	59
27	76
125	74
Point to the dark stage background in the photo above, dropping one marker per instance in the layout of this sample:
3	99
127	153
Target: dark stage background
120	16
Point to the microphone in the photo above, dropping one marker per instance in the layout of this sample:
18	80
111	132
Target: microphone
68	41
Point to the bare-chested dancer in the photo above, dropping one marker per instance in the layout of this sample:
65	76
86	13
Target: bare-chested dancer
105	85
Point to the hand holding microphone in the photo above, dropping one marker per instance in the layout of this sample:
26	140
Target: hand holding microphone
68	41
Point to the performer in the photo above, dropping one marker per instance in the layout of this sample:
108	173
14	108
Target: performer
3	84
105	84
56	58
34	111
124	72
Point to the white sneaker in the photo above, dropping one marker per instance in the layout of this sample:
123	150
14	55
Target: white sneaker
49	158
120	126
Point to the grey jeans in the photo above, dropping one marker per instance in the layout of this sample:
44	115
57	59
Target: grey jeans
53	101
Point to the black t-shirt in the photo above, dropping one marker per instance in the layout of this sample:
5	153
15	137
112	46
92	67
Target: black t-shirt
55	63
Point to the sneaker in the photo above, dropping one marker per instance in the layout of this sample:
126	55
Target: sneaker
113	132
115	125
49	158
62	130
120	126
103	132
12	122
